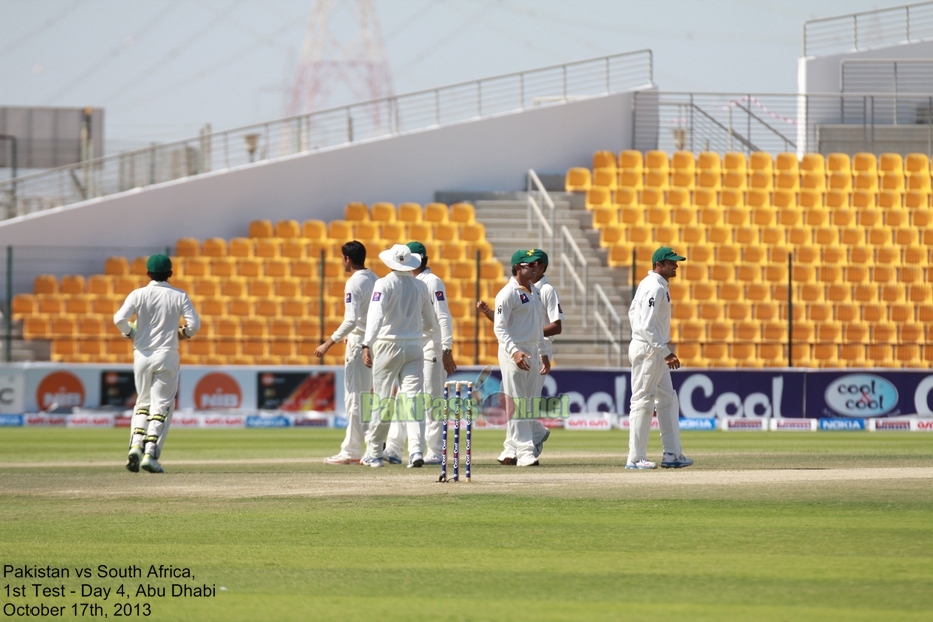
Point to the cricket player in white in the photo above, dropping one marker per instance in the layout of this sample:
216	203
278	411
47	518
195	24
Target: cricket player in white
400	313
438	362
159	309
518	327
552	320
358	378
652	362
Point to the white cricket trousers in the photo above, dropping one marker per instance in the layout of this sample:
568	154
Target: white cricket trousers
394	362
519	383
156	376
431	430
357	379
652	390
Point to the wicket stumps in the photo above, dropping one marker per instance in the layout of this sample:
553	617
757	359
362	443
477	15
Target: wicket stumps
459	412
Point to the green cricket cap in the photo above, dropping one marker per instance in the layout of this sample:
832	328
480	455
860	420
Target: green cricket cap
522	256
539	255
665	253
159	264
418	247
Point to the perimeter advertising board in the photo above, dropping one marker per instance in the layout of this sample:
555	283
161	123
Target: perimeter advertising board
869	393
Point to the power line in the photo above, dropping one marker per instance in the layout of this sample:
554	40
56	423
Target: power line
175	51
112	54
41	28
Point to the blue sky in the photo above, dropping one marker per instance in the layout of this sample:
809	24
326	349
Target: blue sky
163	68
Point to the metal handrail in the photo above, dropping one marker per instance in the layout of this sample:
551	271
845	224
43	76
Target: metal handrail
334	127
600	295
545	224
569	265
846	29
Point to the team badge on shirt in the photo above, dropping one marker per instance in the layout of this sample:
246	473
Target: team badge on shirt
668	294
349	298
439	296
560	309
377	296
523	297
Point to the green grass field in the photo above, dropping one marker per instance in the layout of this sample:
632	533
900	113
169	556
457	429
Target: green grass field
766	526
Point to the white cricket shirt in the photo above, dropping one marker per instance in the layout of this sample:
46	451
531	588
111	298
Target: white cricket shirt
650	313
400	308
442	339
552	311
158	308
356	295
517	322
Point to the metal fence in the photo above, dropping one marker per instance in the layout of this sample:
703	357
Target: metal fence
722	122
325	129
871	29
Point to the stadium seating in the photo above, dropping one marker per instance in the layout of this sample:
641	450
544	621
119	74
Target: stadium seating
261	298
858	230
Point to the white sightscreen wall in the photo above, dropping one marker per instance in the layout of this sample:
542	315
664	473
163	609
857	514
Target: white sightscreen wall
486	155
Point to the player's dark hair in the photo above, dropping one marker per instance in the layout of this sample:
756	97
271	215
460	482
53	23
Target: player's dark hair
424	262
514	270
159	276
356	252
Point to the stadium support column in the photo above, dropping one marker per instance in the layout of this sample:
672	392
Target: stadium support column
8	311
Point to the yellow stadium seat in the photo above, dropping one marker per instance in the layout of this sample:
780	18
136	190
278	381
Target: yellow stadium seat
72	284
894	183
383	212
598	197
864	163
866	181
605	178
188	247
631	160
761	162
409	212
652	197
240	247
657	161
578	179
261	229
735	162
896	218
604	159
761	180
462	213
389	232
707	180
838	162
691	235
678	197
787	162
813	163
757	292
735	181
435	213
630	179
891	163
287	229
840	181
787	181
700	291
665	236
784	199
611	235
356	212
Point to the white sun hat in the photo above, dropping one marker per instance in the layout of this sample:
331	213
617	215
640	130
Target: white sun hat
400	257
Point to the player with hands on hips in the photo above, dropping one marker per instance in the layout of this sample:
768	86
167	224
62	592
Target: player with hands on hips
400	314
358	378
159	309
438	363
652	361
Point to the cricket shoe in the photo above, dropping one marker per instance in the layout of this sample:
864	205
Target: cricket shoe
432	458
641	464
391	458
539	447
372	462
151	464
507	459
526	461
133	458
341	459
671	461
415	461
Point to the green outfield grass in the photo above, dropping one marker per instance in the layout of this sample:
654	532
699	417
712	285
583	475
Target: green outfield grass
766	526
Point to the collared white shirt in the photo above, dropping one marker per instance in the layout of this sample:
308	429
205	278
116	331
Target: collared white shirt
158	308
443	338
551	309
517	322
356	295
399	308
650	313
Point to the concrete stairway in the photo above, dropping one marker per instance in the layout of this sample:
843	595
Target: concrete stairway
506	222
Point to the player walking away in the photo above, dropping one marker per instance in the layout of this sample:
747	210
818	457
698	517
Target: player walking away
552	319
652	362
438	362
159	309
518	327
400	313
358	378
